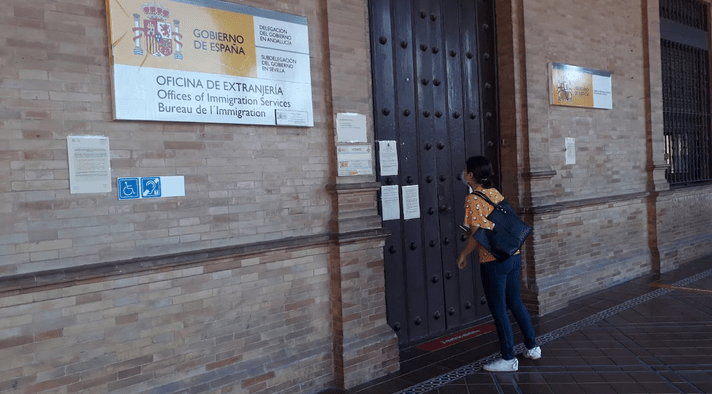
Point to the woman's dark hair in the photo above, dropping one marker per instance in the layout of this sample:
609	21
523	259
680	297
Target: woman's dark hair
481	169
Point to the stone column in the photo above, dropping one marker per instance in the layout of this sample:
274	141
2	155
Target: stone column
365	347
655	139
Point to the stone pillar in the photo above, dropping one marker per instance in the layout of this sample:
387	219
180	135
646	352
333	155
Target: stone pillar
365	347
654	133
526	175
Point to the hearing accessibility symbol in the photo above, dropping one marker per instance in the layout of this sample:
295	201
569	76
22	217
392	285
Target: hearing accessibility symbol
135	188
150	187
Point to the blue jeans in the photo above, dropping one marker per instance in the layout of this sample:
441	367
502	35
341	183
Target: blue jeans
500	281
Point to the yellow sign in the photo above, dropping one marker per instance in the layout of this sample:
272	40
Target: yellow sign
154	35
209	61
580	87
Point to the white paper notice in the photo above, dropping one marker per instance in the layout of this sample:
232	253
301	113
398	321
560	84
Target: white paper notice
390	202
602	92
89	164
570	145
350	128
354	160
411	202
388	157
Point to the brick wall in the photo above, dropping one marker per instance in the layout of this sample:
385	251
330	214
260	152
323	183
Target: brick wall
581	242
244	184
588	248
684	220
604	35
366	346
251	323
609	217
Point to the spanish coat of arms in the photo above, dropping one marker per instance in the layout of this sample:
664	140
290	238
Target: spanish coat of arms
158	32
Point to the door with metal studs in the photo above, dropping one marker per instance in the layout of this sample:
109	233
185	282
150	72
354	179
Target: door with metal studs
434	79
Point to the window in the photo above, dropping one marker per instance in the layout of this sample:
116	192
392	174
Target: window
686	89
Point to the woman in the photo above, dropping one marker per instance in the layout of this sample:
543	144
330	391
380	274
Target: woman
500	280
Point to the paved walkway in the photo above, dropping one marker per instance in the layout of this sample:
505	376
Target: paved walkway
648	335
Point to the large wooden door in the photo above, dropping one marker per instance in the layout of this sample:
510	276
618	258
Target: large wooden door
434	84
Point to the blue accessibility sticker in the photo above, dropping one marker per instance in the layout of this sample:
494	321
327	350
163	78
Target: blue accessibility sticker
128	188
150	187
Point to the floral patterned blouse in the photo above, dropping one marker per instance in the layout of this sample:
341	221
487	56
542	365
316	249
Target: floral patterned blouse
476	211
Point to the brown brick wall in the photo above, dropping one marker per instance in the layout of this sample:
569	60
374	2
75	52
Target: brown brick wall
257	323
581	242
365	345
589	248
604	35
244	184
684	220
609	217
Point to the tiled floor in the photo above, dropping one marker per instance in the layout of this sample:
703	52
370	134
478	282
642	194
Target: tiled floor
649	335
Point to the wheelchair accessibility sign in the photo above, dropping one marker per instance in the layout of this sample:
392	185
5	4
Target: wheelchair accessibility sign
150	187
128	188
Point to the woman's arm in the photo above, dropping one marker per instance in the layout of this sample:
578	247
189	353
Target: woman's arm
470	246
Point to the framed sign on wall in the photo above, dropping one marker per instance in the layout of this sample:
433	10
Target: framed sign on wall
209	61
579	87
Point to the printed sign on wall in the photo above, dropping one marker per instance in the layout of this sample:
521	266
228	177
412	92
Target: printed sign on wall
580	87
89	164
209	61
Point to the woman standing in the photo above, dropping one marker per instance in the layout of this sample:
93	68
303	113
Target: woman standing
500	280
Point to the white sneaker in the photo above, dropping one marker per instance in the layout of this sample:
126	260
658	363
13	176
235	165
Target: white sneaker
534	354
502	365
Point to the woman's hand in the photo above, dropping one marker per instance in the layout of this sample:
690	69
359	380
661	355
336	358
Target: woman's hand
470	246
461	261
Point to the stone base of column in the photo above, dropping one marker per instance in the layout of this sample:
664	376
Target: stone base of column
365	346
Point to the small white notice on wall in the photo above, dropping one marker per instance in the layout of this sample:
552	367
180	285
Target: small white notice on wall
89	164
354	160
390	202
350	128
388	157
570	145
411	202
